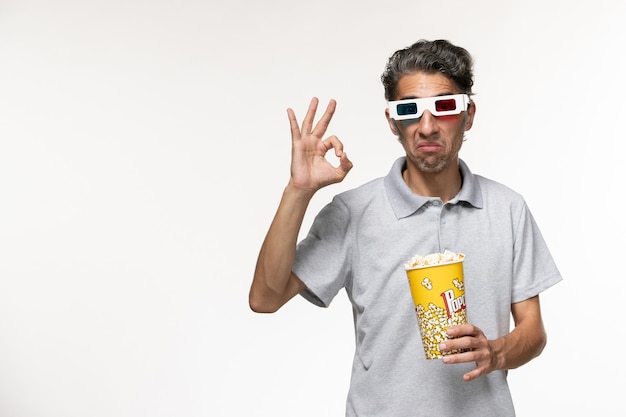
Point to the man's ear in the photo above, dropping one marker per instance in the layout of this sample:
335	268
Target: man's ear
392	123
471	111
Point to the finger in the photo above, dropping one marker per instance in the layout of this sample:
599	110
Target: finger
293	124
333	142
454	344
345	164
307	123
459	357
462	330
322	124
473	374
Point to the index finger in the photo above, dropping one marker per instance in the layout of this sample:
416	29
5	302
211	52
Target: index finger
322	124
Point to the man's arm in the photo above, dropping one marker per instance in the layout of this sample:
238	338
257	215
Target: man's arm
527	339
274	284
525	342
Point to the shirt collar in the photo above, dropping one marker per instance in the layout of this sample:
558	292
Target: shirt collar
404	202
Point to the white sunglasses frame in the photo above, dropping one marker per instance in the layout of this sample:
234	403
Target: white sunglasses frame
428	103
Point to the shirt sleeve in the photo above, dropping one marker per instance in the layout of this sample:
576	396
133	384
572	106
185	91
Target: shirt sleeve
323	257
534	268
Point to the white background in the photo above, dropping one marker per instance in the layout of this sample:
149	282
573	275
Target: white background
144	146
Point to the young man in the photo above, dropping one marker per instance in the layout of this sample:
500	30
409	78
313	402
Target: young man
429	202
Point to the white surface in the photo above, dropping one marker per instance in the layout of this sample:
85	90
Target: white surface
135	196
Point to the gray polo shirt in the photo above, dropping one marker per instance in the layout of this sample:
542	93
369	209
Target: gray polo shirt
361	240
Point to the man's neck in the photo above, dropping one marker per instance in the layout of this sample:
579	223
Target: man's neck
445	184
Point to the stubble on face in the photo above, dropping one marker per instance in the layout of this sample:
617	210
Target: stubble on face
430	163
435	162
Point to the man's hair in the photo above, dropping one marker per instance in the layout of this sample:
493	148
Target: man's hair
430	57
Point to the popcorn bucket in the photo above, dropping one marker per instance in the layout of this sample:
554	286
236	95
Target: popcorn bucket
438	292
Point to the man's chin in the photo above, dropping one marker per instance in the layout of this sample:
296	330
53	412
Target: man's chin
431	165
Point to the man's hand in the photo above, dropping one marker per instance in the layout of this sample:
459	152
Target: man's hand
477	349
310	170
525	342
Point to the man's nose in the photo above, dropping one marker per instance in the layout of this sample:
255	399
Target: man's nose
428	123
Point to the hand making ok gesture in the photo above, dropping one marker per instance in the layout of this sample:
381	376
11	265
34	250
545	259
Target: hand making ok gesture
310	170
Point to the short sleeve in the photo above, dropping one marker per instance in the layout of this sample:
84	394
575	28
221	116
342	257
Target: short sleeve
534	269
322	257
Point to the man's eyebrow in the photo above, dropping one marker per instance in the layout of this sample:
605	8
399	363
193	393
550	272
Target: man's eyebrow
417	98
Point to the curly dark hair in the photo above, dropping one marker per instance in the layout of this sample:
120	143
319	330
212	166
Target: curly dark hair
429	56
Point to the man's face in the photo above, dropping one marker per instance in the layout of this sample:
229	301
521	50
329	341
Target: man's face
431	143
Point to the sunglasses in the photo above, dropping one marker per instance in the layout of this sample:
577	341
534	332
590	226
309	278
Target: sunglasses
413	108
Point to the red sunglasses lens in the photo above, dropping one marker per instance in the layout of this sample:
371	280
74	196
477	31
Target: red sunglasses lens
445	105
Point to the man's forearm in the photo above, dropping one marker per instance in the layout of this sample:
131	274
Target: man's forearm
526	341
271	286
